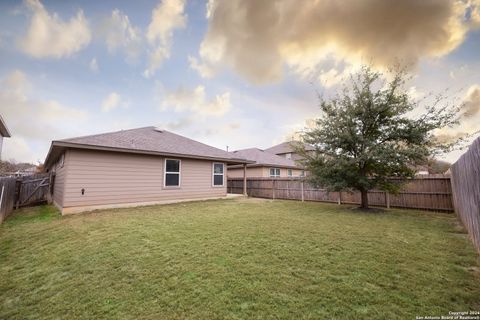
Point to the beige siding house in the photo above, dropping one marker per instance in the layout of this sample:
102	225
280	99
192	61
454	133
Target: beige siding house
135	167
287	150
4	133
265	164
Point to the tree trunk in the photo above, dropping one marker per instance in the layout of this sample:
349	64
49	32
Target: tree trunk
364	203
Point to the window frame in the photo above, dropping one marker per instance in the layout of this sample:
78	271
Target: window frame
290	172
288	156
274	176
165	172
218	174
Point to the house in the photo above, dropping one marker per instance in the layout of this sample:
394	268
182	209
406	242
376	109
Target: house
4	133
287	150
135	167
265	165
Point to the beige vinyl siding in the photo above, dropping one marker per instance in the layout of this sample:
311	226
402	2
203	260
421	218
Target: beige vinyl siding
117	178
251	172
260	172
59	184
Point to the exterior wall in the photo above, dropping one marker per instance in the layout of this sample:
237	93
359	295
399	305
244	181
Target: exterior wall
1	145
264	172
251	172
112	178
59	184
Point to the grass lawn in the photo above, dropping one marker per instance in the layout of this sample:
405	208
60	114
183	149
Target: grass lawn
235	259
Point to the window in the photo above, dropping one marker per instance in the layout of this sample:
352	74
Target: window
274	172
288	156
218	174
289	172
172	173
302	173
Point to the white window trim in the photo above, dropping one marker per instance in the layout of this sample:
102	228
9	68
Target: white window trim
290	172
218	174
275	169
165	173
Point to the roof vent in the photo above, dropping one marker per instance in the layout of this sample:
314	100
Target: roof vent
158	129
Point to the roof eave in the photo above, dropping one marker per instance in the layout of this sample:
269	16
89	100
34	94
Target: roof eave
63	144
3	129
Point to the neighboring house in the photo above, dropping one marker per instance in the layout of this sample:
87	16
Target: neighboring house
265	165
135	167
287	150
4	133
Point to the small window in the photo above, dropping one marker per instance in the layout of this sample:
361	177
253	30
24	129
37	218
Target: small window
172	173
289	172
302	173
288	156
218	174
274	172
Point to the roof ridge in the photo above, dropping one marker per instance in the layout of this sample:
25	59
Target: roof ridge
103	133
196	141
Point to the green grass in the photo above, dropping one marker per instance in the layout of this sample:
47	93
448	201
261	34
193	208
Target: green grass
235	259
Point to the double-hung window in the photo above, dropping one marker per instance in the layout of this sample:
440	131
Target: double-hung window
172	173
274	172
218	174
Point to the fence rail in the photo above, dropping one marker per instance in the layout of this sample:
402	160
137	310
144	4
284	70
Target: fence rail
466	191
428	192
22	191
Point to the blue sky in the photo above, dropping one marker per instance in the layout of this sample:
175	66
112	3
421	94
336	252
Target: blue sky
236	73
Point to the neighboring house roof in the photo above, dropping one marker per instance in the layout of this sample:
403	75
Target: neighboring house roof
3	128
287	147
147	140
263	158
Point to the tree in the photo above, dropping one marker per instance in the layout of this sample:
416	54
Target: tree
367	134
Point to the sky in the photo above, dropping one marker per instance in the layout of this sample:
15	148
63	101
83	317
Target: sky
236	73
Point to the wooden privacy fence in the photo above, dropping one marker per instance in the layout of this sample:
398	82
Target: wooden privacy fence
426	192
7	195
466	191
23	191
33	189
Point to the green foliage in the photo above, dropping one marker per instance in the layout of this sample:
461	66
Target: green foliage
367	135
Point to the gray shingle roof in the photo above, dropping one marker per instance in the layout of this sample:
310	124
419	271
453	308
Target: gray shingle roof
286	147
262	157
147	139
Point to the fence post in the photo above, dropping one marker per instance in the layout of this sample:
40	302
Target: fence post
387	199
273	189
339	197
303	196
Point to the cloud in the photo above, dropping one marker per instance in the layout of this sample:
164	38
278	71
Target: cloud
119	34
51	118
93	65
111	102
203	69
471	105
195	100
258	38
49	36
167	17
